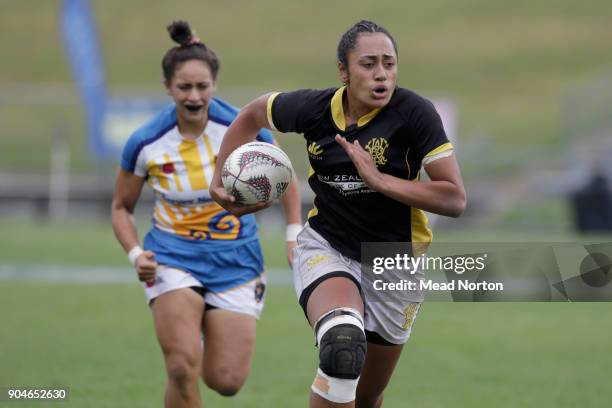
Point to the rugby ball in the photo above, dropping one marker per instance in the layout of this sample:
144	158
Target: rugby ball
256	172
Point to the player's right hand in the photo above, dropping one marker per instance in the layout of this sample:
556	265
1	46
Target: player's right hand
228	201
145	267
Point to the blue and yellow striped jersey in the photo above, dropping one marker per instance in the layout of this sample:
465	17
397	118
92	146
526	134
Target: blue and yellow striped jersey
180	170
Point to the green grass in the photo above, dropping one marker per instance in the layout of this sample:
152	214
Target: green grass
99	341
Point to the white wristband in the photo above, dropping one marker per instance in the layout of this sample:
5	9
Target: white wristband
134	253
292	232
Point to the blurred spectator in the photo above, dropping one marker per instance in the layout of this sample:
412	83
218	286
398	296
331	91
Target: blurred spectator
592	204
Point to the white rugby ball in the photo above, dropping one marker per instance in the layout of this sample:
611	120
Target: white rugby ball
256	172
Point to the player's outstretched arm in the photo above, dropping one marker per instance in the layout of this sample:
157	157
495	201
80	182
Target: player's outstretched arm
243	129
126	194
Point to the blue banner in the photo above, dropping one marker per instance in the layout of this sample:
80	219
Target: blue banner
123	116
82	46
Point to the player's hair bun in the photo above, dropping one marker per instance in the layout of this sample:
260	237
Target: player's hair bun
190	48
180	32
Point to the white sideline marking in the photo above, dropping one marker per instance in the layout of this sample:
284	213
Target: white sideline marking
98	274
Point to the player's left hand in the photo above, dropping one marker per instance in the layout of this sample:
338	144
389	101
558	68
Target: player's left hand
290	246
363	162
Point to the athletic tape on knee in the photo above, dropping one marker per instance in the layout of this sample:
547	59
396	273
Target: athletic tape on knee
352	316
334	389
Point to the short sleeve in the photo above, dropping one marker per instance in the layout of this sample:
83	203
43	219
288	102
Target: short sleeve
294	111
431	140
132	157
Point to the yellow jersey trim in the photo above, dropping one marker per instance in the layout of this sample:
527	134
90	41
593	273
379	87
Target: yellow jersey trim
269	109
337	111
443	148
421	234
367	117
314	211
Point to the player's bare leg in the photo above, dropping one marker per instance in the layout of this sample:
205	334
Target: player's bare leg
178	316
229	340
377	370
333	293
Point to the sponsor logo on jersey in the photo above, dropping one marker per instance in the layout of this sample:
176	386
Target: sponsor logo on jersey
377	147
190	198
346	184
315	151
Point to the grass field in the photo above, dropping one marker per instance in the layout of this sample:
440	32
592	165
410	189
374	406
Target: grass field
98	340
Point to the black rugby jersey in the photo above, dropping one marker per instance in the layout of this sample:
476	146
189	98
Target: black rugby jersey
399	136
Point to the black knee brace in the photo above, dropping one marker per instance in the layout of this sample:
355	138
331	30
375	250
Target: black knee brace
342	351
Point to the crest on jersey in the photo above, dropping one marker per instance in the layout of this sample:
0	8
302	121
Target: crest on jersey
377	147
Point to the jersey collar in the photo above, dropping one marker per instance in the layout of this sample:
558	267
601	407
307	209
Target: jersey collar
338	111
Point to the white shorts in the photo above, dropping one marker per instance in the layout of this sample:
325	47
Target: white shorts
313	258
247	298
